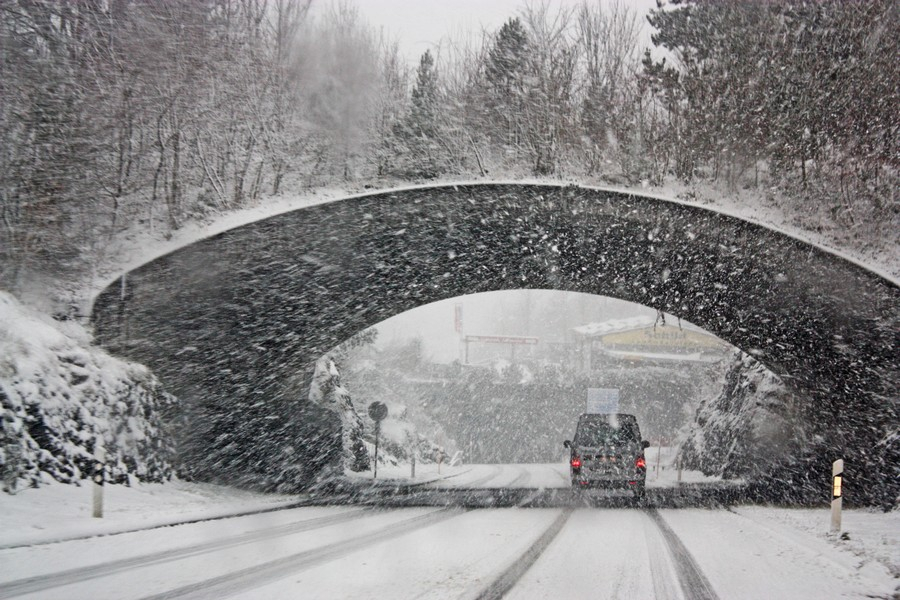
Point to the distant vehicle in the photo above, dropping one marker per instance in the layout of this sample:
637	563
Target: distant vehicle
608	452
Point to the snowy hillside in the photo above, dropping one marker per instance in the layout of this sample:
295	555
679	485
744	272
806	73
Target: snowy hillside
60	395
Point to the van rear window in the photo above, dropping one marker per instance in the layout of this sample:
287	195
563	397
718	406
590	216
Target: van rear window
600	433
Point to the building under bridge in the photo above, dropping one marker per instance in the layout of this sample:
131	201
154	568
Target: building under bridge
645	341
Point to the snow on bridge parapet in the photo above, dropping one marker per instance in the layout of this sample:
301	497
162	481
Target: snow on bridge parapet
142	249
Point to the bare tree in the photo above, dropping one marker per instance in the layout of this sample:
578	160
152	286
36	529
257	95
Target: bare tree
608	38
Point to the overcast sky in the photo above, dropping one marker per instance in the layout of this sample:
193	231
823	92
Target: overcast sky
545	314
419	25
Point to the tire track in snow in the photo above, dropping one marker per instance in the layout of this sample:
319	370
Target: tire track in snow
39	583
255	576
436	479
693	582
521	479
476	482
666	585
494	472
508	578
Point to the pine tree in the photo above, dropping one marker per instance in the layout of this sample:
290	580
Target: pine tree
508	59
422	120
422	152
505	73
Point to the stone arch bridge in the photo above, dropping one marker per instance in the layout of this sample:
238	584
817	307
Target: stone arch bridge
232	323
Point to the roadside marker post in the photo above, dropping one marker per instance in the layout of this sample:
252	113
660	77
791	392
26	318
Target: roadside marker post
99	468
658	455
837	494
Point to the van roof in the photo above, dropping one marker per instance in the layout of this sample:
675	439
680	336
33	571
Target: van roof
604	416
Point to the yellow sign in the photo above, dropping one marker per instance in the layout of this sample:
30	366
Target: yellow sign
663	338
836	488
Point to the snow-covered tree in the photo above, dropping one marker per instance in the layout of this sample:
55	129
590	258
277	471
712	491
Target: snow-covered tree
326	390
421	151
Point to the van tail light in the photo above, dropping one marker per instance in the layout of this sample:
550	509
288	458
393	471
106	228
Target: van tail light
640	463
576	462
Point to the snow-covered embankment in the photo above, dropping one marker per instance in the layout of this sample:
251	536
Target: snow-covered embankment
59	396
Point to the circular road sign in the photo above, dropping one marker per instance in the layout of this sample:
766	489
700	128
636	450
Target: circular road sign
378	411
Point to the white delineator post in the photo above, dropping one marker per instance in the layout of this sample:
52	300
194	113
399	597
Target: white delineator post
99	461
837	494
658	455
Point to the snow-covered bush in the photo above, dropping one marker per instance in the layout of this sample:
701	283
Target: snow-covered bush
748	427
59	396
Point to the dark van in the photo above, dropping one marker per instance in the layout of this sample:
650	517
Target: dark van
608	452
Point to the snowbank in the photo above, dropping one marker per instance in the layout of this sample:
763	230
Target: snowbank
59	396
58	512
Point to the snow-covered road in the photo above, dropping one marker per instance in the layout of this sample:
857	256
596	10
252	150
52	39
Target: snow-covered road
660	474
353	552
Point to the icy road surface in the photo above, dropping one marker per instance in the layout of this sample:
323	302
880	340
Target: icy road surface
355	552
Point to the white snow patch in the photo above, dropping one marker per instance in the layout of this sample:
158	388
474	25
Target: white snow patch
58	512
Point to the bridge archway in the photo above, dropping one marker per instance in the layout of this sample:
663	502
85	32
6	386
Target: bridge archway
225	321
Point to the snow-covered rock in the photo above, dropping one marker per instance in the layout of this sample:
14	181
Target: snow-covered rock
60	396
326	390
748	427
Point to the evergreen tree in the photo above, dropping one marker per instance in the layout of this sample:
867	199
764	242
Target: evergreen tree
422	151
505	73
326	391
508	59
422	120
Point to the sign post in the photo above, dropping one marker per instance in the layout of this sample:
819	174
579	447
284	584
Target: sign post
377	411
837	494
99	464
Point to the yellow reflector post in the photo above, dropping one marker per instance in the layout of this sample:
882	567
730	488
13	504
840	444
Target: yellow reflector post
837	489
